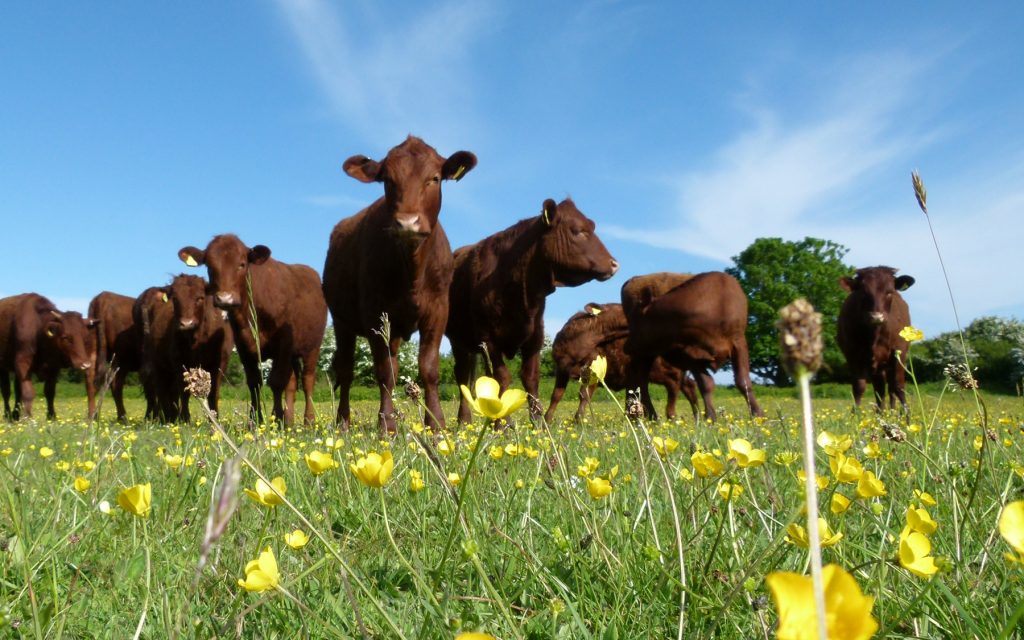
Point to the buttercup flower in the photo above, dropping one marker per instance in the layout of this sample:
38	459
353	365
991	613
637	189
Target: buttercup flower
664	446
745	454
729	491
488	403
296	539
261	574
840	503
925	498
798	535
45	452
474	635
598	369
320	462
845	468
914	554
832	443
265	495
137	500
1011	527
910	334
918	519
706	464
598	487
496	452
82	484
373	469
454	478
869	486
848	610
416	483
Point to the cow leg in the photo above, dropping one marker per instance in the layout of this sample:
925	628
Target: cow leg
289	397
529	374
586	395
706	386
741	375
343	366
253	380
5	391
465	364
90	392
689	388
117	392
639	376
671	394
308	371
280	379
430	348
561	382
878	384
384	371
50	392
24	392
897	384
859	386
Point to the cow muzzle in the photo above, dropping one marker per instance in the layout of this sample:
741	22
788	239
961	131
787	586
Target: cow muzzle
225	300
85	366
412	223
877	317
187	324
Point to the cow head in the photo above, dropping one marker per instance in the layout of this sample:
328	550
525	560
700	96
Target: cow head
69	332
570	246
227	261
873	289
188	295
412	173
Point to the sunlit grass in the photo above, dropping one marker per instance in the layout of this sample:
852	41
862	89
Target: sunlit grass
535	552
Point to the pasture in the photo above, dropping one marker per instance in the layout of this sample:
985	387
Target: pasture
505	531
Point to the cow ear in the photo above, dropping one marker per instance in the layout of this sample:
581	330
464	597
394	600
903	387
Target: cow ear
848	282
904	282
52	329
259	254
191	256
549	212
92	322
362	169
593	308
457	165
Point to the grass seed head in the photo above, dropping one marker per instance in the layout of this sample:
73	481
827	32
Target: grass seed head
800	336
919	191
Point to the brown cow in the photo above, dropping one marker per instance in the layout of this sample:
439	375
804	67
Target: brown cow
117	346
501	285
870	322
601	329
290	318
37	338
151	303
697	326
393	258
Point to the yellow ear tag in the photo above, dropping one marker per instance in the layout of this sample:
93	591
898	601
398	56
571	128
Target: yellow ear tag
594	311
164	296
190	261
547	219
49	333
458	172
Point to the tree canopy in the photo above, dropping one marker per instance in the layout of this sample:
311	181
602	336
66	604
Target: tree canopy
773	272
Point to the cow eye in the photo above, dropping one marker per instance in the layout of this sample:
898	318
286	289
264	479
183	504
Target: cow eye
435	180
580	233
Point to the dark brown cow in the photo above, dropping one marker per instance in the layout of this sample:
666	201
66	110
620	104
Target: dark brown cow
501	285
37	338
290	311
870	322
601	329
117	346
697	326
151	303
393	258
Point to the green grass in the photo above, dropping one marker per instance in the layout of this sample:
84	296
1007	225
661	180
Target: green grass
532	554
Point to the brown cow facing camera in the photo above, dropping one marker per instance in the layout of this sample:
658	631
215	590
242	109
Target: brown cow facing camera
602	329
870	322
36	338
290	318
696	326
393	258
501	285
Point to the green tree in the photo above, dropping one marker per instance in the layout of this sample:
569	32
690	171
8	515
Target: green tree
995	348
774	272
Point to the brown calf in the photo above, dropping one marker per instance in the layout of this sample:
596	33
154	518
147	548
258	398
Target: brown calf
601	329
290	318
697	326
501	285
117	346
37	338
870	322
393	258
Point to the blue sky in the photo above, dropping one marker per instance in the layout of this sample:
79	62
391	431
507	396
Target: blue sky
128	130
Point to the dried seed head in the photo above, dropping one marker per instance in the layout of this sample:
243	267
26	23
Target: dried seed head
800	337
197	382
894	433
412	390
961	376
634	407
919	191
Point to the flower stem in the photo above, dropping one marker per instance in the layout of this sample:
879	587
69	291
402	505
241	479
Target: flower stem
811	490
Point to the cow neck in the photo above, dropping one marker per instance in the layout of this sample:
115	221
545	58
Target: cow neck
405	259
239	316
523	265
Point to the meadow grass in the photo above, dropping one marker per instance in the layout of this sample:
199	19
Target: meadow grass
530	554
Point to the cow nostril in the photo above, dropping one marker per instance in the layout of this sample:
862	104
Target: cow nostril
615	266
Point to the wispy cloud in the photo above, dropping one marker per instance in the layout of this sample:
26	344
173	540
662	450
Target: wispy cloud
387	75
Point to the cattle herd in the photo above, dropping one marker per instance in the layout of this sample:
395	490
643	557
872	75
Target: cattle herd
389	272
